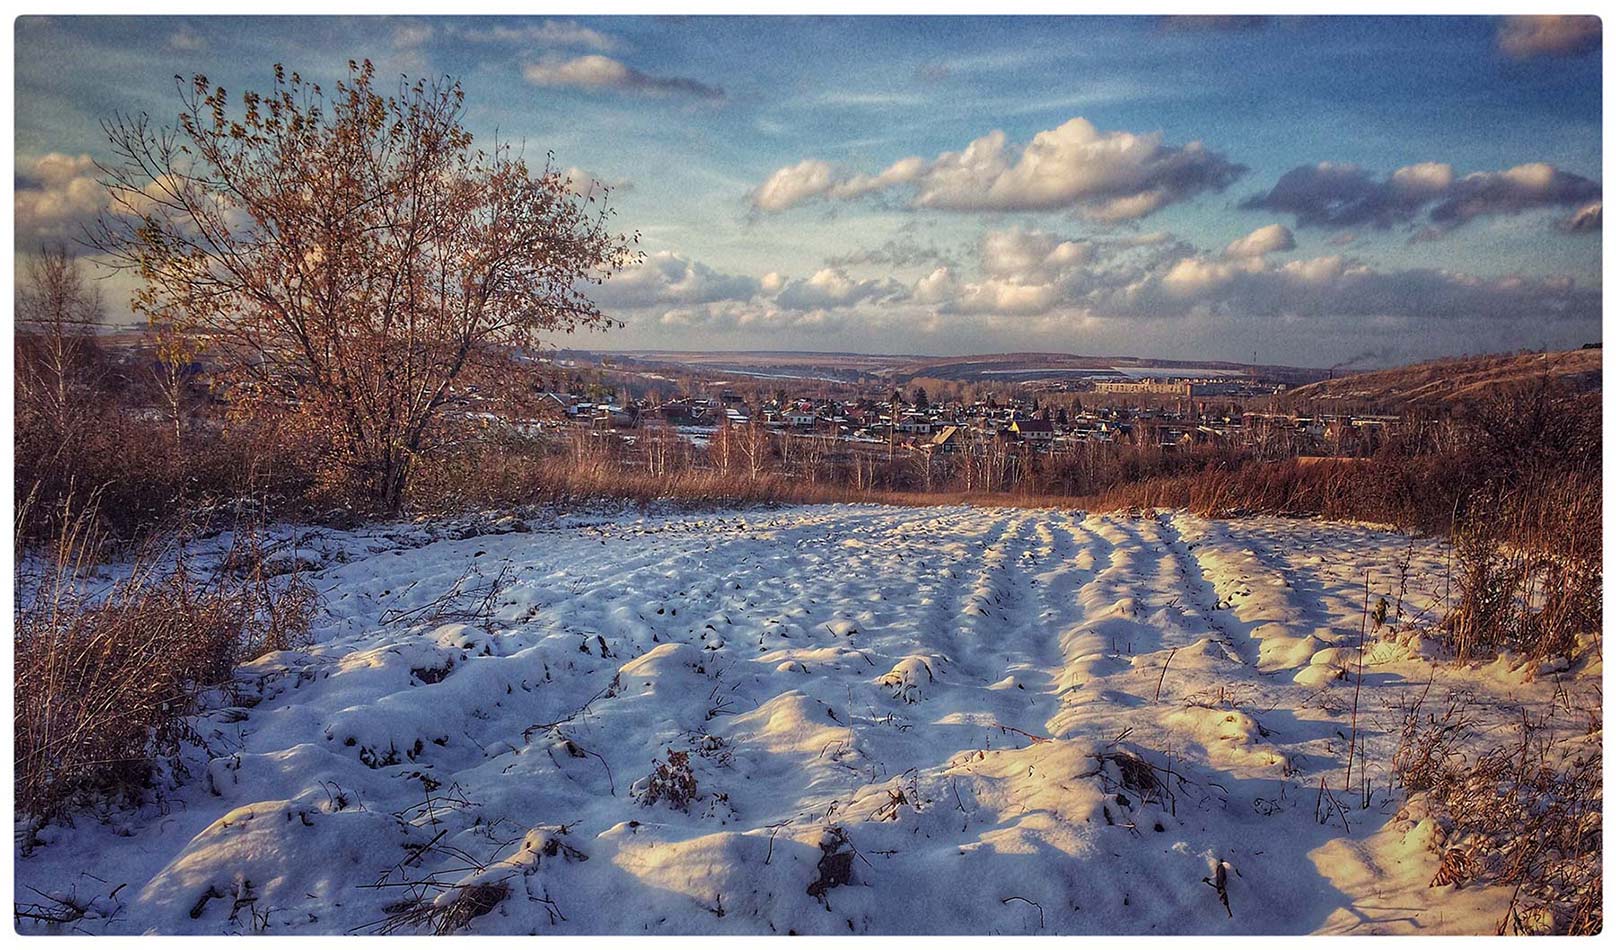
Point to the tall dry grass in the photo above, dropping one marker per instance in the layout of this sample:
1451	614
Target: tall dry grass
1529	575
109	668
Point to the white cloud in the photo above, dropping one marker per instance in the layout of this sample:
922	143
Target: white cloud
902	171
1026	285
1336	195
1109	176
666	278
1264	240
1512	191
831	287
793	185
412	34
546	33
595	72
1030	255
1589	217
186	40
55	196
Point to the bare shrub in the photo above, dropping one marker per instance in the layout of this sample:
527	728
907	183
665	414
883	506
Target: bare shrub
1428	743
108	670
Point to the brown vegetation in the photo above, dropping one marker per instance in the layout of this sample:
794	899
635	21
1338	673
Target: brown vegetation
1526	815
108	669
351	261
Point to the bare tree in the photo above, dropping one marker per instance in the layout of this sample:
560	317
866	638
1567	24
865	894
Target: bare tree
352	256
756	447
176	357
58	356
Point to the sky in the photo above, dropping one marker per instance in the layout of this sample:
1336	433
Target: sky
1312	191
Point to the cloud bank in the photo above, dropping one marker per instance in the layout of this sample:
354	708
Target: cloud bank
1106	176
1338	196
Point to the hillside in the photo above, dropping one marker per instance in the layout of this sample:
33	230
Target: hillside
1449	382
835	719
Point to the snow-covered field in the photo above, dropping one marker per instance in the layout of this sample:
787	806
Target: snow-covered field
894	719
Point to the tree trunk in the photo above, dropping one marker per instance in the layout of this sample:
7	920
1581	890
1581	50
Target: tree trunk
394	475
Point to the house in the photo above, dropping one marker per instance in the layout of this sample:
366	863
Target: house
914	423
616	417
801	418
1035	431
553	407
681	412
951	439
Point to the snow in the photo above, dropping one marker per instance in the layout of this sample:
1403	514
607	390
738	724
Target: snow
896	720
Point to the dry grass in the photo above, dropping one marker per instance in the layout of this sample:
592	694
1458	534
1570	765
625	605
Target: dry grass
1526	816
444	914
107	670
1529	577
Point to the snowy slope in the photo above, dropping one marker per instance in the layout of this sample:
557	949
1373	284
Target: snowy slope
896	720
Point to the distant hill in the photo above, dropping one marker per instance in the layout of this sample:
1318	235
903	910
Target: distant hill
1449	382
1027	367
899	369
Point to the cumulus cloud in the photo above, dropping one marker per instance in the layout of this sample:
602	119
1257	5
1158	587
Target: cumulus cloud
666	278
1264	240
594	72
1518	189
1336	287
1034	284
1108	176
1335	195
1527	37
55	196
832	287
792	185
1030	255
1022	272
1024	275
670	281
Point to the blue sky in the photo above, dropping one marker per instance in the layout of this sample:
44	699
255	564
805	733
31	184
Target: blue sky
1313	189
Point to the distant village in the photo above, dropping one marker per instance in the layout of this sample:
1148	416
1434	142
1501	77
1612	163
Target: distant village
1168	413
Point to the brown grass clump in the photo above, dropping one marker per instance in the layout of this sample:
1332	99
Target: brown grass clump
672	782
108	670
